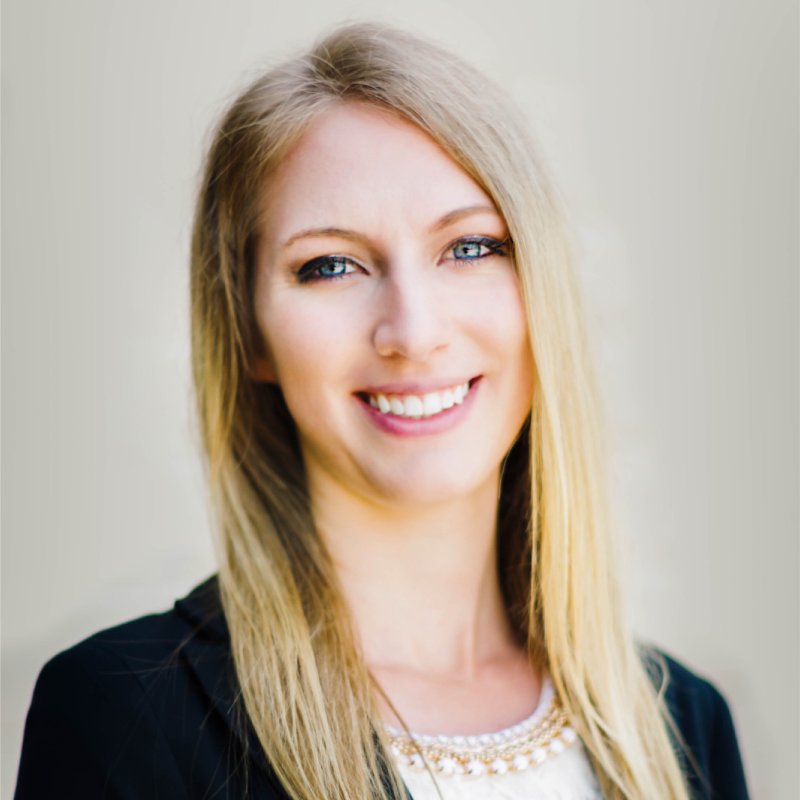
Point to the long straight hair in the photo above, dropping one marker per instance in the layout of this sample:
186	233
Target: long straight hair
304	687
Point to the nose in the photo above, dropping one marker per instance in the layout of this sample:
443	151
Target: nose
412	321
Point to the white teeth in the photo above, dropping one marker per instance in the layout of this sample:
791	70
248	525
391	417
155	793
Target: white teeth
413	406
427	405
431	404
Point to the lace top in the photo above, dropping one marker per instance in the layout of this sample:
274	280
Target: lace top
540	758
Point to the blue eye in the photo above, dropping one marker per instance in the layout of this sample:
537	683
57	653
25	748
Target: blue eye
324	268
478	247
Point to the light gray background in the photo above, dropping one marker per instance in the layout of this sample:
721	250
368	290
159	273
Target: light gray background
672	129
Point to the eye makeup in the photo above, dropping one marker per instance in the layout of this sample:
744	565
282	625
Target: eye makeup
325	268
473	248
465	249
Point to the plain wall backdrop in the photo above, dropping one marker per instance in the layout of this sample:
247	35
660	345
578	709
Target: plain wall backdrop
672	131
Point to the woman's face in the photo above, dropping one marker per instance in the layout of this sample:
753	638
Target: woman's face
390	313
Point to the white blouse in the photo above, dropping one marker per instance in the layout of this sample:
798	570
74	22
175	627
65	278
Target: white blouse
559	770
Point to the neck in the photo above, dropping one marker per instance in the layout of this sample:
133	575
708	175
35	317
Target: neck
421	583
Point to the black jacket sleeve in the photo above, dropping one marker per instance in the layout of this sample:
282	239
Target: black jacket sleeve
709	752
142	711
91	733
725	763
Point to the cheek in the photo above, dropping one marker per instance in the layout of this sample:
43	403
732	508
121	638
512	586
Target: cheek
500	315
293	346
309	346
504	324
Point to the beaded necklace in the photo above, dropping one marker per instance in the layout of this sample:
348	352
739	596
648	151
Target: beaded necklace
545	733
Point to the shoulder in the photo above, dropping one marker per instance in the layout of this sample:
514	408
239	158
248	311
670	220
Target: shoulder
128	648
131	658
705	733
142	709
693	700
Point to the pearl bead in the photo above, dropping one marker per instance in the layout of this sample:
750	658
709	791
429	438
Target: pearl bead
539	755
447	766
499	767
569	735
476	768
520	762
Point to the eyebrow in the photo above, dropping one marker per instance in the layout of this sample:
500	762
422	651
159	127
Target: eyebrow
355	236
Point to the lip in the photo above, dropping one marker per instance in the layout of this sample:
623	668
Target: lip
424	426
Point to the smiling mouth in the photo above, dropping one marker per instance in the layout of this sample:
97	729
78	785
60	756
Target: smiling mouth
418	406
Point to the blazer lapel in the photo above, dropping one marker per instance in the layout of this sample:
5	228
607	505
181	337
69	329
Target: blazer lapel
208	655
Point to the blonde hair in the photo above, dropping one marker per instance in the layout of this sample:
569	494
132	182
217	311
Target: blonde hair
304	687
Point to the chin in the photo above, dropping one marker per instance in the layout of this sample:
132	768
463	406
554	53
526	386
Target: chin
430	488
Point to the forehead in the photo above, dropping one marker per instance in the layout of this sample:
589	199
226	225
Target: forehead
360	165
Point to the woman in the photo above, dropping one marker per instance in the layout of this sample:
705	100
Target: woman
403	446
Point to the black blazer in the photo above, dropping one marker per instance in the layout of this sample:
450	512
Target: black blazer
147	710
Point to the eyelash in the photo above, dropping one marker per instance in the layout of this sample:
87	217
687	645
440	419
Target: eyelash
309	272
494	247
